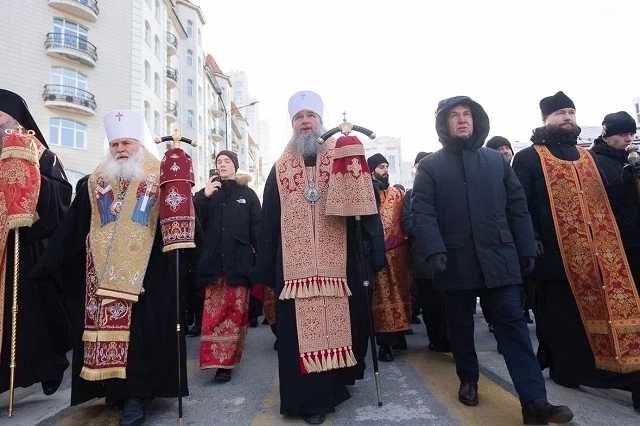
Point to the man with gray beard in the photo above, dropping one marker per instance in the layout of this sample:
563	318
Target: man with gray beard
110	234
42	326
310	258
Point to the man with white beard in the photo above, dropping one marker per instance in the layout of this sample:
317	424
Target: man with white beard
310	258
127	290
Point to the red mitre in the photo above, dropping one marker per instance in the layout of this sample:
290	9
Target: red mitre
20	178
177	214
350	188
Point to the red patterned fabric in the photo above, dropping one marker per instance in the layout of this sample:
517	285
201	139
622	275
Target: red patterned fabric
177	214
594	260
225	317
20	178
350	190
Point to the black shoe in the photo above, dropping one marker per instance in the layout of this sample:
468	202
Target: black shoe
491	329
275	345
253	322
195	331
314	418
385	354
133	413
541	412
223	375
49	387
415	320
409	332
562	382
468	394
635	396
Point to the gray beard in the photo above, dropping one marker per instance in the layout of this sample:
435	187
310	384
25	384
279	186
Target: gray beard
307	145
129	169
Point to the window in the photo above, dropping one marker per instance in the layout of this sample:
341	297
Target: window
69	133
147	73
199	37
147	33
200	66
147	112
73	177
156	48
190	88
157	10
70	82
392	164
189	118
189	58
199	93
156	121
69	34
199	123
156	84
189	28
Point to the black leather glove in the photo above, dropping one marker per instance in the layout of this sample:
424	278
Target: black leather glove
539	248
437	263
526	265
630	171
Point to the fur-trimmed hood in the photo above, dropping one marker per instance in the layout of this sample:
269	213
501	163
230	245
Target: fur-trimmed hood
243	178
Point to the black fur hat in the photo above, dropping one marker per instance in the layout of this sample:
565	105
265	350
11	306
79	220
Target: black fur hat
553	103
498	141
617	123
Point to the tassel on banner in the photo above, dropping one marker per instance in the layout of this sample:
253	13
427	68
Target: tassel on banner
315	287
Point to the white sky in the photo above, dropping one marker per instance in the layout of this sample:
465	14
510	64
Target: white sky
388	63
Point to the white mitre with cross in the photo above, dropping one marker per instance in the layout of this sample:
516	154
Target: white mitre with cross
128	124
305	99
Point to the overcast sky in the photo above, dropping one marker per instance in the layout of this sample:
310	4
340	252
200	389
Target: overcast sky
388	63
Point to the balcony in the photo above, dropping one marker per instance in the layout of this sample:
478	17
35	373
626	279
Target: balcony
217	134
172	44
172	77
71	47
215	111
87	9
171	112
70	99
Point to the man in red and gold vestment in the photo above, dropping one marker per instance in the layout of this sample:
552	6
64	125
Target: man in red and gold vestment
391	305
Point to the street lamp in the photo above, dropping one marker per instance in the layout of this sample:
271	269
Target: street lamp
226	120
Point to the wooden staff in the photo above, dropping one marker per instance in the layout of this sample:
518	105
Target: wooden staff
14	317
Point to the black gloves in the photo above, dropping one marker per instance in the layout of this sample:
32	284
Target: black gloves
629	171
526	265
437	263
539	248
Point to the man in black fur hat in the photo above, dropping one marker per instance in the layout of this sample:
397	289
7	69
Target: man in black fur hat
579	304
619	178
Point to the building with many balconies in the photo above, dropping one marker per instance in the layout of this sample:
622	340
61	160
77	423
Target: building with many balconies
99	56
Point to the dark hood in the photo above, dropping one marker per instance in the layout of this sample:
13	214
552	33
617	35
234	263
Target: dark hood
16	107
480	124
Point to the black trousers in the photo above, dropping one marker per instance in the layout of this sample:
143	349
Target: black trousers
511	332
432	302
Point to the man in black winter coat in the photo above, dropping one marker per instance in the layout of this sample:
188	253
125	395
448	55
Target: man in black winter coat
469	214
619	179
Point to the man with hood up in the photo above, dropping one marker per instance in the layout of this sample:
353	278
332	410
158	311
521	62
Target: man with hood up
469	212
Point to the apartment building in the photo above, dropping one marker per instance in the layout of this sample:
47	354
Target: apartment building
80	59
